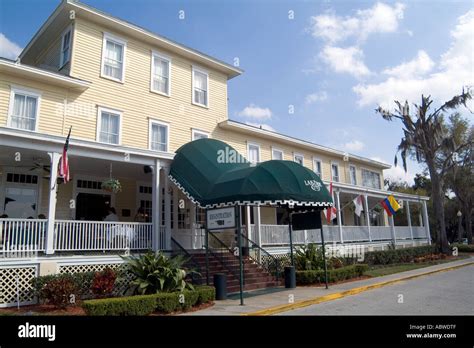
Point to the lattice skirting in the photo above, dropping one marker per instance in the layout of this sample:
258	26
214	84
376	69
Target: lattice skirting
88	267
15	285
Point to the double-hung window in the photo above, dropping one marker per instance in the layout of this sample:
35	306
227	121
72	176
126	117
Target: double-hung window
277	154
335	172
353	175
24	106
200	87
109	126
253	152
317	167
197	134
65	48
299	158
159	136
160	74
113	58
370	179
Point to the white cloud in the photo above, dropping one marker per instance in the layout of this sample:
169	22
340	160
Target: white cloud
398	174
345	60
262	126
380	18
256	112
452	72
355	145
419	66
316	97
410	33
8	49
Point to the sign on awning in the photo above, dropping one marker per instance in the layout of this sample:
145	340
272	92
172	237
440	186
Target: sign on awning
219	219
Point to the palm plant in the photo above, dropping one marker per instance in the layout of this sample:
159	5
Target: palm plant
426	139
155	272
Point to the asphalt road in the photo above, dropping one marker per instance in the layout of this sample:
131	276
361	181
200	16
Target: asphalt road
445	293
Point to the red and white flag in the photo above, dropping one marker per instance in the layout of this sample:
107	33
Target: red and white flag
359	205
331	212
64	162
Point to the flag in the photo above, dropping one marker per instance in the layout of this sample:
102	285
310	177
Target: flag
331	212
64	162
390	205
359	205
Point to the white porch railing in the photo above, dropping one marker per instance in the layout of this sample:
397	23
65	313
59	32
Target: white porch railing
97	235
272	235
17	235
191	239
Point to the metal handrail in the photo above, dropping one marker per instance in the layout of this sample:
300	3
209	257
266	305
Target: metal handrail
189	258
219	257
276	262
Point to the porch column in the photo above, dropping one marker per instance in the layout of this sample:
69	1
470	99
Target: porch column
409	218
367	218
338	207
247	222
192	225
156	240
167	216
53	187
392	227
256	216
426	222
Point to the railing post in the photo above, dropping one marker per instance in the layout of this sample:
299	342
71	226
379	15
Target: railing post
367	216
258	230
53	187
338	202
156	213
426	222
409	219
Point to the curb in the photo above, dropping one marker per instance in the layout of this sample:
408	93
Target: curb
354	291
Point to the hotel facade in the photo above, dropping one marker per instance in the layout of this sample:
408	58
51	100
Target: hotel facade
131	99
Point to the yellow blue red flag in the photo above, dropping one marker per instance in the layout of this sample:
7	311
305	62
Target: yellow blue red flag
390	205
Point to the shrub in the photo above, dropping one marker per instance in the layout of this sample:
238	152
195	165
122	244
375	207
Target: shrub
123	306
60	292
464	248
188	298
386	257
206	293
309	257
81	281
103	283
167	302
334	275
154	272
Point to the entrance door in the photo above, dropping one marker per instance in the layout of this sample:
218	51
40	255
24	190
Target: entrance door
21	196
91	206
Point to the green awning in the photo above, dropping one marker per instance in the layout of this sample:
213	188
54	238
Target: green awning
213	174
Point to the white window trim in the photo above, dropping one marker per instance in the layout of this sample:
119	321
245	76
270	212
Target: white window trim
62	63
317	159
297	154
373	171
168	59
195	131
161	123
101	109
28	92
120	41
249	143
350	176
338	171
278	150
203	71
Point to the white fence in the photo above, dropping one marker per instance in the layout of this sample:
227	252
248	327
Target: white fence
22	235
97	235
272	235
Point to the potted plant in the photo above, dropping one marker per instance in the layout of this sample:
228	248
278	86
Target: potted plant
112	185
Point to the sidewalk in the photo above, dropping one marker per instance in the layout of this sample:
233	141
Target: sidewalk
264	300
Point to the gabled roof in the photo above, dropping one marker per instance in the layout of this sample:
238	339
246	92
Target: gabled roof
60	18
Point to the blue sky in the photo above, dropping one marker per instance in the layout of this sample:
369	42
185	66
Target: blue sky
332	61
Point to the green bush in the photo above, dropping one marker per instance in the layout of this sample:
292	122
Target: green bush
334	275
82	283
121	306
166	302
386	257
206	294
155	272
189	299
464	248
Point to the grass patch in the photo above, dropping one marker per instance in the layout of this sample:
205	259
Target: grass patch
379	271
